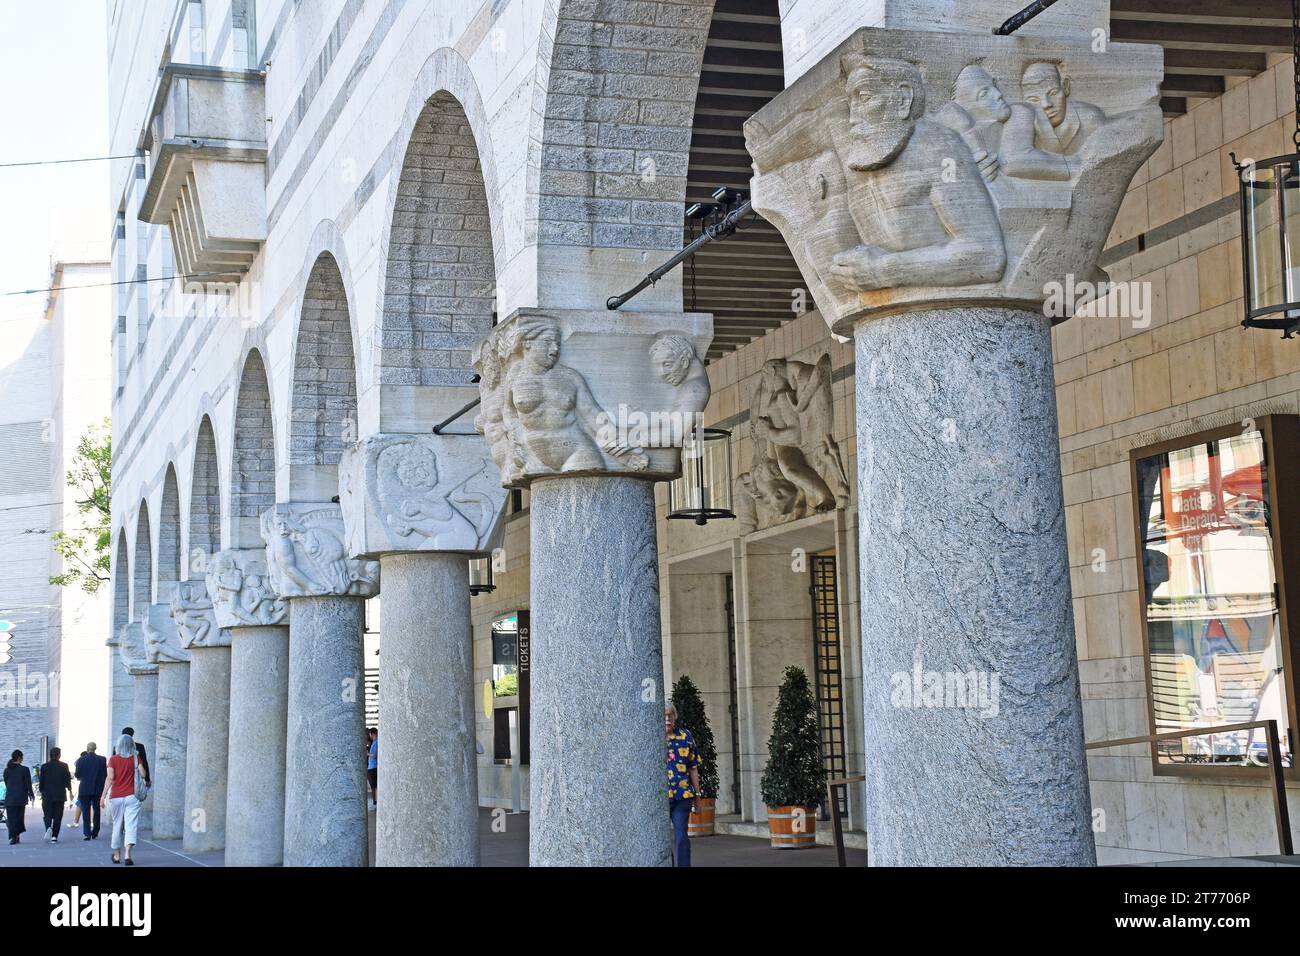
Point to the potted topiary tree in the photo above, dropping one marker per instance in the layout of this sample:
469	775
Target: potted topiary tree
794	779
690	714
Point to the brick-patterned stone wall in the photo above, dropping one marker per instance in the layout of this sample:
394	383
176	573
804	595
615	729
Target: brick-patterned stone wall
440	280
121	585
169	530
323	414
142	567
252	482
205	502
616	139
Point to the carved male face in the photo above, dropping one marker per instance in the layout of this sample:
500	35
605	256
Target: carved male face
885	100
977	92
672	359
1043	87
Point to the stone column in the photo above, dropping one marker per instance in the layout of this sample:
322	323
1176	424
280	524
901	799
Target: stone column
144	697
425	505
120	685
207	719
634	386
325	821
937	232
245	603
167	763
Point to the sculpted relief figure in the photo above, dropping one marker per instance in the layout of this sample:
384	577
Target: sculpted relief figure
490	423
306	555
920	222
978	112
925	168
162	643
241	591
196	625
797	464
416	503
131	648
676	364
548	410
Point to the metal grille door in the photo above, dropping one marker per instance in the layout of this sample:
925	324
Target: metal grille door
826	668
733	708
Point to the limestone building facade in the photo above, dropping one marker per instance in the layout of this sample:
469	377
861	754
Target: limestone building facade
350	221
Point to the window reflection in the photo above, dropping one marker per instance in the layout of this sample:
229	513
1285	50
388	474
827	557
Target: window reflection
1213	629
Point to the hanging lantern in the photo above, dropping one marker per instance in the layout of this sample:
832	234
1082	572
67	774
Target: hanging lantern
1270	226
704	489
480	576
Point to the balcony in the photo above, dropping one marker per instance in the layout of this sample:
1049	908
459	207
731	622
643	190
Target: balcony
206	178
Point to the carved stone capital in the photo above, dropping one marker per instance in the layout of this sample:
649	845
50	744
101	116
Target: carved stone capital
915	169
306	556
420	492
570	392
162	643
131	650
241	592
196	622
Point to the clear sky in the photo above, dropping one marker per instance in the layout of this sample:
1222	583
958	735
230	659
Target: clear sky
53	105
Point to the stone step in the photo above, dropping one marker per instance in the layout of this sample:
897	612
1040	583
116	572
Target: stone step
732	825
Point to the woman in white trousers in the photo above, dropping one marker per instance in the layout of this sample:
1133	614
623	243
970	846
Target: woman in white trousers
119	797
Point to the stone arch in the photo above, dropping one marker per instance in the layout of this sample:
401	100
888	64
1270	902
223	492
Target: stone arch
440	266
610	185
252	471
205	502
142	566
121	585
169	535
323	398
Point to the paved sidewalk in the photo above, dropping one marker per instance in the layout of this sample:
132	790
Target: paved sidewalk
72	850
498	847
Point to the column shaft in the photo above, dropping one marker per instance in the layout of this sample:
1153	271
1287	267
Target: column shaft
428	772
207	750
974	741
169	764
597	788
259	690
325	821
144	720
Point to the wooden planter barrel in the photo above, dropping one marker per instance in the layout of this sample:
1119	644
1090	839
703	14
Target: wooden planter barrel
701	824
781	823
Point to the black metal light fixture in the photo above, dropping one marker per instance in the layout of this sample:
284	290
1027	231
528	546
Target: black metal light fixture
703	492
480	576
1270	225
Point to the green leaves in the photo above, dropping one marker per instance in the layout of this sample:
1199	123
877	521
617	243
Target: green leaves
87	551
692	716
795	775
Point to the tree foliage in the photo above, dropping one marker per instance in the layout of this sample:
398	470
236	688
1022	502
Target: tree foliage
690	714
87	551
795	775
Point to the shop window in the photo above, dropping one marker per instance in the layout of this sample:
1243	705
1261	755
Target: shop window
1210	513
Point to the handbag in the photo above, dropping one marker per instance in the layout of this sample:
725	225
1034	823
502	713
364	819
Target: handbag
141	786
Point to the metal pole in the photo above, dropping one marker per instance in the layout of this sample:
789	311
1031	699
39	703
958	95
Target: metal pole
835	825
1023	17
719	230
1279	790
437	429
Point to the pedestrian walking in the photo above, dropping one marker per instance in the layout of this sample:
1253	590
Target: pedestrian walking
18	793
372	762
92	772
123	805
56	791
140	752
683	764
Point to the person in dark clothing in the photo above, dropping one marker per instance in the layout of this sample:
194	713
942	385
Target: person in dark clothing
144	757
92	771
18	793
56	790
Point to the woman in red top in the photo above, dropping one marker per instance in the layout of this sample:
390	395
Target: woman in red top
119	797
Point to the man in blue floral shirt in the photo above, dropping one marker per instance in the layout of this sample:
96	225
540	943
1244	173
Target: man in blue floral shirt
683	764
